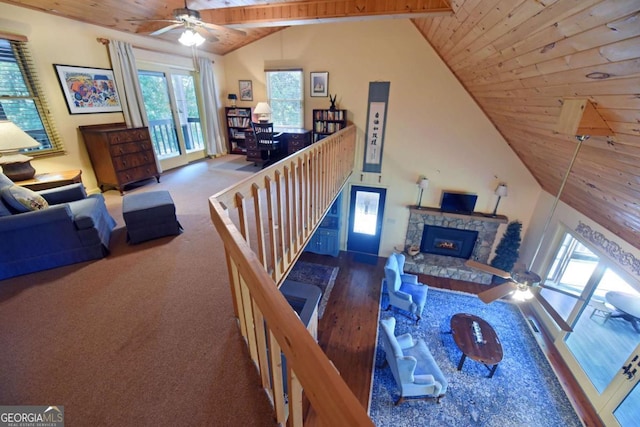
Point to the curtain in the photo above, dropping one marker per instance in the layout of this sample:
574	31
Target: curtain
210	121
125	73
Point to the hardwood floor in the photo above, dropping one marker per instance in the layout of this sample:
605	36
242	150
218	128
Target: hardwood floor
347	331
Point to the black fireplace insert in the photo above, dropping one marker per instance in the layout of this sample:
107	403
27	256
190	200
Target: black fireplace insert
448	241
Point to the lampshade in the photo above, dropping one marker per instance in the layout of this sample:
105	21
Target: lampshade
16	166
423	183
191	38
263	110
501	190
14	139
232	96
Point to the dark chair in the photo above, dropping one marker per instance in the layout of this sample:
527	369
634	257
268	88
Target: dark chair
268	141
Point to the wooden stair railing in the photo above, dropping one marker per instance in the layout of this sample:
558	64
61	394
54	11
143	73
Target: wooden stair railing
265	222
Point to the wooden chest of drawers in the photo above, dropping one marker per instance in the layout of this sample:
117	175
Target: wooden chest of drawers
120	155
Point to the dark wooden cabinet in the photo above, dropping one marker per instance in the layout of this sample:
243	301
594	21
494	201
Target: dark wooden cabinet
326	122
238	126
297	139
120	155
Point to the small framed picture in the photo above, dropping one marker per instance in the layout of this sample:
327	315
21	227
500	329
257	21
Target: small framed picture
246	90
88	90
319	83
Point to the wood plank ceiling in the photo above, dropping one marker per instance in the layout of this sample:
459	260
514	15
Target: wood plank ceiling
519	59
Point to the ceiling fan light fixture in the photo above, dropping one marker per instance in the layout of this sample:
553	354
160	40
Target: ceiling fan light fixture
191	38
522	294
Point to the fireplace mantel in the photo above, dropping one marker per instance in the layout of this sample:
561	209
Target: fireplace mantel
472	216
444	266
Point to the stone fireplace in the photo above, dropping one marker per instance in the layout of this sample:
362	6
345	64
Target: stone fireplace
447	240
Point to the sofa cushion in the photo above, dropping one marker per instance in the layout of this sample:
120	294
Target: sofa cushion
22	199
4	209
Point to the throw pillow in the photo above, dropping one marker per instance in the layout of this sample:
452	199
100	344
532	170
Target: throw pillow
22	199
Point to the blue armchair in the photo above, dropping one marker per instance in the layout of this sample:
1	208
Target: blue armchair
414	368
74	228
405	292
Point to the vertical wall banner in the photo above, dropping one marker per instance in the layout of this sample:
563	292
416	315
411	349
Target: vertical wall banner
376	119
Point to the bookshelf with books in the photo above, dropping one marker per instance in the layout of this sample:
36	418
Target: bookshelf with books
326	122
238	124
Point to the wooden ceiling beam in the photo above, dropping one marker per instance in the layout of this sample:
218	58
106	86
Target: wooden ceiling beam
322	12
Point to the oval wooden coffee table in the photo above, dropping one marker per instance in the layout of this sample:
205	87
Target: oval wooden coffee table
477	340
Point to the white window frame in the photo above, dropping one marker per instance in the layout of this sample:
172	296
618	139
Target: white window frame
273	102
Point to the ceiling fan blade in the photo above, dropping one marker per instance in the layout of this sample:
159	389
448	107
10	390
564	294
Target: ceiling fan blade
487	269
150	20
552	312
166	29
496	292
217	27
211	38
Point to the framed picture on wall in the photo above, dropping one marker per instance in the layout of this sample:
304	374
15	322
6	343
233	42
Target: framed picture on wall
246	90
88	90
319	83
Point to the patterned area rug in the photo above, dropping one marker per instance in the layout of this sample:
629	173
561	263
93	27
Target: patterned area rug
322	276
523	391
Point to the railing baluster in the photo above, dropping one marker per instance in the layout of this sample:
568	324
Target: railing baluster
274	260
290	216
275	357
245	295
261	347
295	398
259	223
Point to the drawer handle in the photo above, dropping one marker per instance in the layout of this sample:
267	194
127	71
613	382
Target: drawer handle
124	163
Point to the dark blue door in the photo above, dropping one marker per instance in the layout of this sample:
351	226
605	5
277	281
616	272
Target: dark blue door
366	210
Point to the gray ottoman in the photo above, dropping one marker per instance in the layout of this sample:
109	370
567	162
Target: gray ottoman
149	215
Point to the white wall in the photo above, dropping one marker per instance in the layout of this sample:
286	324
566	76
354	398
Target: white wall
55	40
434	127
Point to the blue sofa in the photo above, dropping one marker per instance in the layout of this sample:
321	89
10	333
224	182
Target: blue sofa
73	228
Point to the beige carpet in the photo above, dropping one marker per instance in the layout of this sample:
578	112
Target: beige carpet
143	337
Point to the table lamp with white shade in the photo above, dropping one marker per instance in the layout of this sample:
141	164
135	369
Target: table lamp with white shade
15	166
501	191
423	184
263	111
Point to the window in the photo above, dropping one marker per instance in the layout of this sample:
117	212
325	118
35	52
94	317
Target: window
285	93
21	98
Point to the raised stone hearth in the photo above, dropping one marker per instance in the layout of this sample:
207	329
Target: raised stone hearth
447	266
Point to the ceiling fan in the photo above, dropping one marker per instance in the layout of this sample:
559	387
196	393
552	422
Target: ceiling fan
195	30
520	281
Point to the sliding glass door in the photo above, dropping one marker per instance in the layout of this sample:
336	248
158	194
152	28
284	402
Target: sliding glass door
604	309
174	118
